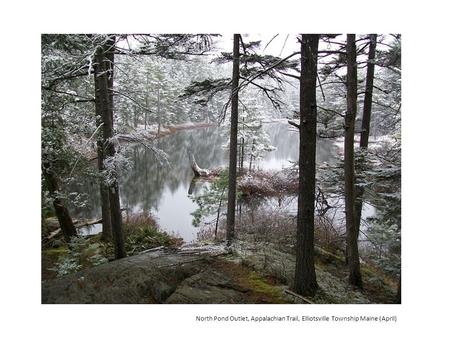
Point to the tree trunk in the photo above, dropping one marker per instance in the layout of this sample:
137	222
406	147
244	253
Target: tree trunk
251	156
349	165
104	74
104	191
218	213
106	212
159	114
365	125
242	151
367	110
305	275
233	142
241	160
64	219
146	102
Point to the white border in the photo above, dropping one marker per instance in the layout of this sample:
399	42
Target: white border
425	138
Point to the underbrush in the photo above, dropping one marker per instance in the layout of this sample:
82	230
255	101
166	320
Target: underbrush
267	184
271	232
141	232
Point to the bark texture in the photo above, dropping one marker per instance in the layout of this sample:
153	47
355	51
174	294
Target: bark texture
233	142
64	219
104	191
349	165
365	125
305	275
104	58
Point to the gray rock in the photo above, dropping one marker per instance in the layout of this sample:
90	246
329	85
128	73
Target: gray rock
146	278
208	287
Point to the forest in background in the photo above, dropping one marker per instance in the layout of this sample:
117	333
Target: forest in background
103	93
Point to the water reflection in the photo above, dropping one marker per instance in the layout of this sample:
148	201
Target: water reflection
150	187
285	138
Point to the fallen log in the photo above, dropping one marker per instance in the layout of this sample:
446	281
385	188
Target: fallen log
77	226
85	224
158	248
198	172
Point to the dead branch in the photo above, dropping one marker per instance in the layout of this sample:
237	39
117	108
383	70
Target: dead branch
198	172
292	293
152	249
292	123
77	226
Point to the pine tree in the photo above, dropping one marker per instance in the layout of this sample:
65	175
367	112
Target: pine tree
233	141
103	72
349	165
365	125
305	275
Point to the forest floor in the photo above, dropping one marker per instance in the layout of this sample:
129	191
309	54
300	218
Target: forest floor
205	274
211	273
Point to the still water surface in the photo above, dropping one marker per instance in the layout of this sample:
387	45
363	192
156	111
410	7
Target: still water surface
150	187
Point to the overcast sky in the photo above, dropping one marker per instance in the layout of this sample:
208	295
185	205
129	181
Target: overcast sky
225	42
275	48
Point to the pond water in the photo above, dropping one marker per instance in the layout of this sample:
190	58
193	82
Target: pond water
150	187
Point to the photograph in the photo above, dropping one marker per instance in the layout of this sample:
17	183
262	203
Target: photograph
221	168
